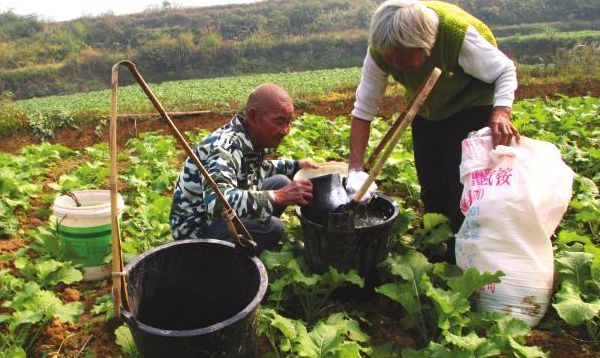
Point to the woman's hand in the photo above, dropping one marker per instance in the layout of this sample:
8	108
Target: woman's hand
503	131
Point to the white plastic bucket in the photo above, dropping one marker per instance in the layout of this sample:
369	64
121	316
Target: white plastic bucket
85	230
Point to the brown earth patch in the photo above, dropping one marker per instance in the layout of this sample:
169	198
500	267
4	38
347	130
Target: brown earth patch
10	245
73	340
561	346
340	106
91	333
71	295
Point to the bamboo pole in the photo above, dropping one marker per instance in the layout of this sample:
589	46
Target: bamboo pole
402	123
119	284
388	135
233	221
171	114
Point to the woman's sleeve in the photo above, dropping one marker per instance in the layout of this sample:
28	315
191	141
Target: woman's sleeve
373	81
484	61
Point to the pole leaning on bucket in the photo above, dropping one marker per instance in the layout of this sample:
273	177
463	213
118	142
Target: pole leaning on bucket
118	277
233	221
393	135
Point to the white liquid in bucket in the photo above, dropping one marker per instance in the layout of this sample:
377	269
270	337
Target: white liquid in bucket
85	231
367	221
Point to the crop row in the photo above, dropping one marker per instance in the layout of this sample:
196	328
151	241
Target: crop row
204	94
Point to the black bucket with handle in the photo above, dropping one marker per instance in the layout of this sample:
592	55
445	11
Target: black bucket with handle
195	298
333	240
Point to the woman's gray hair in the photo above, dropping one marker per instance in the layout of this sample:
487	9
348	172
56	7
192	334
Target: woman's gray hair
402	23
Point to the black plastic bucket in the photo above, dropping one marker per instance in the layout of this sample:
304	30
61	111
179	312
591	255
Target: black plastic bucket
345	247
195	298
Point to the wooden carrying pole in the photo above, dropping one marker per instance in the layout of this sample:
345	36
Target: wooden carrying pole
233	221
397	122
118	277
395	132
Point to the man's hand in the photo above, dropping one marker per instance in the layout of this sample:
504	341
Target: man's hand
503	130
298	192
307	164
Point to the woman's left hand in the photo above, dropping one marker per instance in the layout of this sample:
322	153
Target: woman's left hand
503	131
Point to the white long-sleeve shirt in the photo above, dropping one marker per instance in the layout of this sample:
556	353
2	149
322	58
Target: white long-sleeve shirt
477	57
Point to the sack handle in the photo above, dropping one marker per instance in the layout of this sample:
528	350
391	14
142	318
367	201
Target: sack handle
233	221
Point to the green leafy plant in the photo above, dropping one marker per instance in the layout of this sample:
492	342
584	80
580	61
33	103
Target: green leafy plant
12	118
125	341
45	271
431	239
577	301
435	298
33	307
336	337
39	126
45	240
312	291
316	137
504	336
103	305
586	208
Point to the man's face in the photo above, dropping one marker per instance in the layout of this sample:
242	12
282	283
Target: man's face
268	126
405	59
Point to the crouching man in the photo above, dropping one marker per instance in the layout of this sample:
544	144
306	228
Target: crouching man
234	156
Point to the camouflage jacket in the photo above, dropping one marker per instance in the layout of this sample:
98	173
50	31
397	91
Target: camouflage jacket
238	170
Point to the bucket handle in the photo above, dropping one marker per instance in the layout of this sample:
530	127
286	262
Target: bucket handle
129	319
71	195
393	135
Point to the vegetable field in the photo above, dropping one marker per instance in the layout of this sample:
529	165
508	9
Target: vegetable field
421	309
215	93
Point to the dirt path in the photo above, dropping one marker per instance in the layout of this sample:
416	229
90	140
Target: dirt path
129	127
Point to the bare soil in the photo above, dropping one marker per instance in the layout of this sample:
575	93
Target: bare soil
130	127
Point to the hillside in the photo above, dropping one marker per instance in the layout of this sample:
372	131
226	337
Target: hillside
40	59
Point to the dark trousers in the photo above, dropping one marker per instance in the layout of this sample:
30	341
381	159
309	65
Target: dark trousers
267	234
437	148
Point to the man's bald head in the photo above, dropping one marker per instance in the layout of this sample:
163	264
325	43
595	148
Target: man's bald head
269	112
266	96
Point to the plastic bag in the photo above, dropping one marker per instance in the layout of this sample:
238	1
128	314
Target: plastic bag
355	181
513	200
